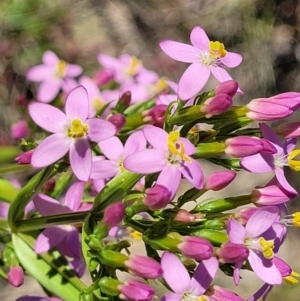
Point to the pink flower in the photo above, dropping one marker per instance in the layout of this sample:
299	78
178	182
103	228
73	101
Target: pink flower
20	130
206	57
15	276
53	75
71	131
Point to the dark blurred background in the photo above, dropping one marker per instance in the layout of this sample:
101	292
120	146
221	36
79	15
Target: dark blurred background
265	32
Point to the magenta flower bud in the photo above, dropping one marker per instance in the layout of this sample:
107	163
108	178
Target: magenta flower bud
291	99
268	147
219	180
282	266
114	214
125	98
157	197
184	217
216	105
20	130
243	146
144	266
135	290
118	120
21	100
229	87
288	130
221	294
156	115
49	185
103	76
196	248
244	214
231	252
24	158
15	276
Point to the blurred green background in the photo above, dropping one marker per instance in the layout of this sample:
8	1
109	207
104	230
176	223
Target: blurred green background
265	32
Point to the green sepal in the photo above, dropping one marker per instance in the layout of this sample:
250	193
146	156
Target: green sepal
169	242
109	286
215	237
215	224
8	191
112	258
207	150
8	153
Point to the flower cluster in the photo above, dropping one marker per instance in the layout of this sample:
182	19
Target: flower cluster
110	171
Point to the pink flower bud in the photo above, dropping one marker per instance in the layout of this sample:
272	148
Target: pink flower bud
219	180
184	217
196	248
135	290
15	276
243	215
291	99
114	214
21	100
229	87
118	120
282	266
288	130
157	197
231	252
156	115
24	158
221	294
103	76
20	130
216	105
144	266
125	98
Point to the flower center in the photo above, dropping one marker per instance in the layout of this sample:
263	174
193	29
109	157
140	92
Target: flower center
61	69
188	296
77	129
260	244
133	67
216	52
121	166
97	103
160	85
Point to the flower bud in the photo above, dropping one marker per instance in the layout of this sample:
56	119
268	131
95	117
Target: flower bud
184	217
216	105
109	286
143	266
24	158
15	276
125	99
135	290
112	258
169	242
20	130
219	180
196	248
288	130
221	294
231	252
244	214
118	120
156	115
282	266
114	214
157	197
228	87
103	76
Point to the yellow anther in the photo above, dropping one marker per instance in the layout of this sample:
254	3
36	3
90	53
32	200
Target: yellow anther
160	85
134	66
217	50
77	129
203	298
294	164
291	279
61	69
136	235
296	219
97	103
121	166
267	247
177	147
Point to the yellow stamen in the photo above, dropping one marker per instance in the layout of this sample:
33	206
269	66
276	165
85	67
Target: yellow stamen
291	279
160	85
134	65
294	164
61	69
97	103
173	144
267	247
121	166
136	235
296	219
217	50
77	129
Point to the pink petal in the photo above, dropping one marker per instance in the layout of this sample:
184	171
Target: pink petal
100	129
108	61
134	143
220	74
279	172
73	70
81	159
193	173
236	232
264	268
180	52
193	80
48	117
112	148
74	196
169	297
104	169
232	59
48	206
146	161
77	104
199	38
70	246
50	58
258	163
48	239
48	90
261	221
157	137
39	73
175	273
270	135
50	150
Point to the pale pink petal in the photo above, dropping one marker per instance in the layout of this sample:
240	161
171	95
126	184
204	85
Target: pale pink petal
70	246
77	104
220	74
50	150
166	297
48	239
104	169
39	73
100	129
81	159
170	178
236	232
199	38
48	206
48	117
180	52
189	147
68	85
146	161
108	62
279	172
48	90
50	58
91	87
157	137
112	148
74	196
258	163
193	80
73	70
193	173
232	59
134	143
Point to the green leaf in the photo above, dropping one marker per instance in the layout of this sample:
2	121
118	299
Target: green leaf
47	269
8	153
8	191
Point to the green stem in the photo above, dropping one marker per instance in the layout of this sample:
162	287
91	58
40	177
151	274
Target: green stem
14	168
207	150
3	274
